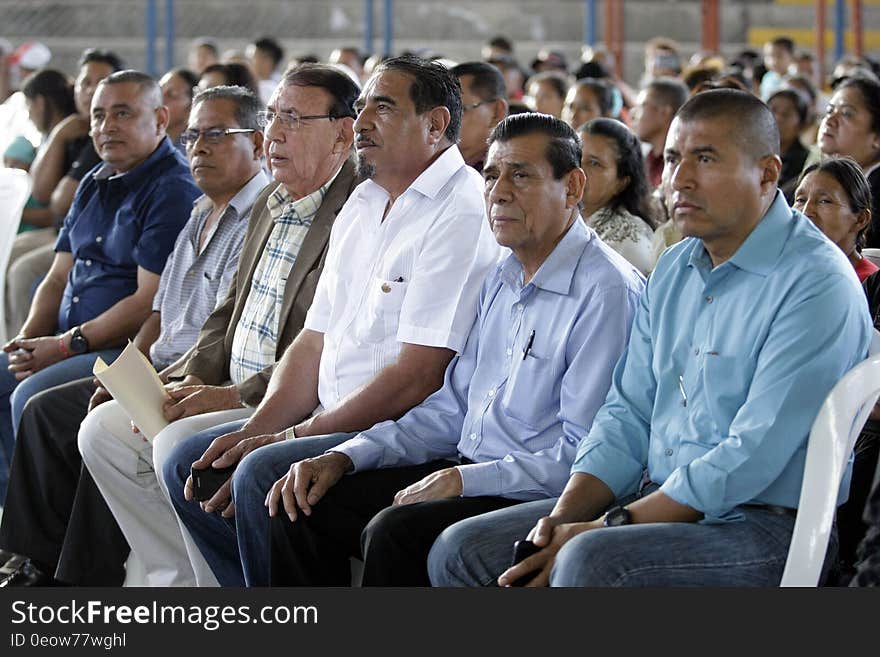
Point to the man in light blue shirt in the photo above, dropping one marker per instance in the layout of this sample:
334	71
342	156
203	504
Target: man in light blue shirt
739	337
553	320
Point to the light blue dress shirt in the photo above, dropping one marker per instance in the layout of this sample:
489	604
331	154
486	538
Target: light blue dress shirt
726	369
520	418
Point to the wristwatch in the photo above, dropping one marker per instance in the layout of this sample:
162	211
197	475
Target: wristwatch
616	516
78	342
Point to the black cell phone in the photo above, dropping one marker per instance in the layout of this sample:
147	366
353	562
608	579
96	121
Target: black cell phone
208	481
523	550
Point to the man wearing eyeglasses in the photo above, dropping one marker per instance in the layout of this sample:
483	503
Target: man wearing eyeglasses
395	302
307	137
56	504
483	104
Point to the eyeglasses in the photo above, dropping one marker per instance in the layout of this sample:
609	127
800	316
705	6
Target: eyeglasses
211	136
473	106
288	120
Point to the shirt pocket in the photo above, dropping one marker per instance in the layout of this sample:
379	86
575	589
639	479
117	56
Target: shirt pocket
530	395
726	380
381	315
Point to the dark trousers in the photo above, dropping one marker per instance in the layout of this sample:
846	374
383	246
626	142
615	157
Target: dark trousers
54	512
355	519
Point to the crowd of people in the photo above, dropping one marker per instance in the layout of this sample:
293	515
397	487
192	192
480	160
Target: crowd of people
411	311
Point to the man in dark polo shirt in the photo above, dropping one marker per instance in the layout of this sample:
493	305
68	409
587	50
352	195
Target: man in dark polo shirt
111	250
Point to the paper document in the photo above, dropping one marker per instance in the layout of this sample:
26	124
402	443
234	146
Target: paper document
136	386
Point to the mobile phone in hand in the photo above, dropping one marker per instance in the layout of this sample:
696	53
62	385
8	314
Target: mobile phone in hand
207	481
523	550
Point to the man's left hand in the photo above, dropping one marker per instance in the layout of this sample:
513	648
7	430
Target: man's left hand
436	486
41	353
541	563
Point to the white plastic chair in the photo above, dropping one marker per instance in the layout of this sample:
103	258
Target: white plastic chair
15	186
873	255
831	442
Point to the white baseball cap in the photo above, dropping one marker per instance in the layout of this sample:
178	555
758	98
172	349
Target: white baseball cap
31	55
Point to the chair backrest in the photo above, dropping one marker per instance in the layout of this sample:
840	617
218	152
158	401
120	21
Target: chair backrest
831	442
873	255
15	186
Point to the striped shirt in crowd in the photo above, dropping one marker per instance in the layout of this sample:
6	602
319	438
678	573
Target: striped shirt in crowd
193	283
255	342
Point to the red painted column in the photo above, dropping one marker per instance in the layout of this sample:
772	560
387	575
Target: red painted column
614	32
711	28
858	34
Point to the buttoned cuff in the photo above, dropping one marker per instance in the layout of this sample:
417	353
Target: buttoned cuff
479	479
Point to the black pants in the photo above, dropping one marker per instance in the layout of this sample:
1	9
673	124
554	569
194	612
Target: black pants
355	519
54	512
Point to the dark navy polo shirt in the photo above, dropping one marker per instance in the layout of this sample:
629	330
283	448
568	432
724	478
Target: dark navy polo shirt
119	223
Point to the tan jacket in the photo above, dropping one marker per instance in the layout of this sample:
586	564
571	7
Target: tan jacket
209	359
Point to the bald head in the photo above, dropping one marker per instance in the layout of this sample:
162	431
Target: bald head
750	121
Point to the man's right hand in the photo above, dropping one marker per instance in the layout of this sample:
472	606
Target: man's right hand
186	401
100	395
306	483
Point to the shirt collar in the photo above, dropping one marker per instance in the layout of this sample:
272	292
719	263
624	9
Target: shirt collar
557	271
435	177
280	198
760	251
241	202
138	175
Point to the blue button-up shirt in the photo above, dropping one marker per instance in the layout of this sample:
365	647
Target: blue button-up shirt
727	367
519	416
118	223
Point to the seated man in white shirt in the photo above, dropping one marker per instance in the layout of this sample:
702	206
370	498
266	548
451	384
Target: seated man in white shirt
396	300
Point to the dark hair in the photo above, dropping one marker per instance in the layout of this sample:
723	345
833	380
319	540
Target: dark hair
671	92
731	81
563	148
848	173
809	87
272	48
602	90
502	43
206	42
870	92
147	85
237	75
107	57
635	198
556	79
487	83
698	75
55	87
433	85
784	42
752	122
798	98
336	83
190	78
247	104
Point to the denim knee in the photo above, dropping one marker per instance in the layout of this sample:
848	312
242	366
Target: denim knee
253	477
588	559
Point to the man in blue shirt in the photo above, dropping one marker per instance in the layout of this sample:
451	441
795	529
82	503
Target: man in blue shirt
111	250
742	332
553	320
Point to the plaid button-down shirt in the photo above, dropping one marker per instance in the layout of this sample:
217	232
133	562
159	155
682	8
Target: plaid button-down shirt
256	336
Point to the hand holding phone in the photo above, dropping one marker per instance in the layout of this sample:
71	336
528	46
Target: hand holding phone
522	550
207	481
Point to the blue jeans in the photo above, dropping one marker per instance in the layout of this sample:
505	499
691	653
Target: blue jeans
238	550
14	395
474	552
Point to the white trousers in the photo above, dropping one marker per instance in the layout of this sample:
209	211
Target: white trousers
128	471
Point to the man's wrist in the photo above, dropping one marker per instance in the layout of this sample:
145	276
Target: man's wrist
289	433
344	461
235	397
63	346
